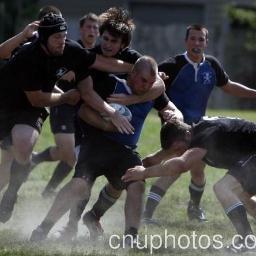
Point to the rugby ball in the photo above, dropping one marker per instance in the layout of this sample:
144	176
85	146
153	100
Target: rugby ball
122	109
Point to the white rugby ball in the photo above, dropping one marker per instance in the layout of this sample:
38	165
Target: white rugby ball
122	109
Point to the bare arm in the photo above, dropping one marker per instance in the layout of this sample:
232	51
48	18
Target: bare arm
45	99
157	157
171	113
111	65
97	103
92	117
156	90
9	45
172	167
239	90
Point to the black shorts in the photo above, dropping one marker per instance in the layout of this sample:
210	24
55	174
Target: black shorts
102	156
62	118
245	172
33	117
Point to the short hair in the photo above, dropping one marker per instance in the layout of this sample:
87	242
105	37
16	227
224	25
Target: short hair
146	62
118	23
48	9
89	16
171	132
197	27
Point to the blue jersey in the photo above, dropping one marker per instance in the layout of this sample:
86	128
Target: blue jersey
190	84
139	113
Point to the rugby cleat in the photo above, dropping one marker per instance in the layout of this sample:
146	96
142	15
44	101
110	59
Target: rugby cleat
93	224
194	212
38	235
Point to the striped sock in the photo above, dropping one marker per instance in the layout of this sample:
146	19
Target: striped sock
154	197
196	192
238	216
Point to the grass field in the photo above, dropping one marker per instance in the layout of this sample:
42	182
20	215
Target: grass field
31	208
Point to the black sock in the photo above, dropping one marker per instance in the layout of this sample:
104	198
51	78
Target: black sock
61	171
76	212
154	197
42	156
196	192
104	202
18	175
46	226
238	216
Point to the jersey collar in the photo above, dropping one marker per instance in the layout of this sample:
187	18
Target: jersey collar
192	62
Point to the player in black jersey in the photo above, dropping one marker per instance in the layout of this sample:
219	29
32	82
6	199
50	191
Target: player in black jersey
27	83
115	37
228	143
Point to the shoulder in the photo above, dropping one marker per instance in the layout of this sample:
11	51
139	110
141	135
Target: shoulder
212	60
73	44
129	55
172	61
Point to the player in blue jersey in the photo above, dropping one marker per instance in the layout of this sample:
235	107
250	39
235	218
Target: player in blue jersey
192	77
101	151
227	143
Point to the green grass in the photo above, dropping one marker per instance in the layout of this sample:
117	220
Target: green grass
31	208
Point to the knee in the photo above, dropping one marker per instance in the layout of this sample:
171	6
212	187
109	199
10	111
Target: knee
22	150
219	189
80	189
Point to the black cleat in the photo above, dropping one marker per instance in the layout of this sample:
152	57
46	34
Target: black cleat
7	206
242	246
93	224
150	221
195	212
38	235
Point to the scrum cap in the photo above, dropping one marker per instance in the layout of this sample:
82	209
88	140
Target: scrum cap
50	24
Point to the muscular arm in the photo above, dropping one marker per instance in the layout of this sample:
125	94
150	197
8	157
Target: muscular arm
156	90
111	65
171	112
45	99
92	117
157	157
9	45
92	99
239	90
172	167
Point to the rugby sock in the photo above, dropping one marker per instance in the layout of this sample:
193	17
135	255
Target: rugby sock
76	212
46	226
196	192
42	156
104	202
18	175
154	197
238	216
61	171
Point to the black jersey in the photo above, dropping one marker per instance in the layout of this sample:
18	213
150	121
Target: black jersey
227	140
31	69
128	55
